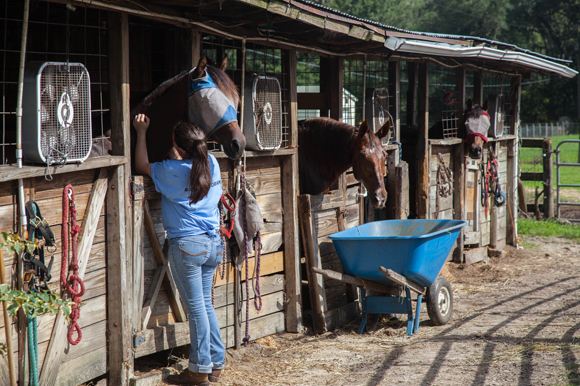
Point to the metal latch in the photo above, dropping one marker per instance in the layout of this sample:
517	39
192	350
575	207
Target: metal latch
137	339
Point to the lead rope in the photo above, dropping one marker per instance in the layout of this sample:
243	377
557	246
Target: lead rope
74	285
221	267
245	228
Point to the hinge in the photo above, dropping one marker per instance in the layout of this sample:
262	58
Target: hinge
137	339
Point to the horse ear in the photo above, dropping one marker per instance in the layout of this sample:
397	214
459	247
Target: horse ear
469	104
384	131
224	64
363	129
201	65
485	104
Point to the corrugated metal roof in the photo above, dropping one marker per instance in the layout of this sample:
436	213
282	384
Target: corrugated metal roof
429	34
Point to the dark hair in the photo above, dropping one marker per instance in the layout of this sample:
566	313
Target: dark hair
191	139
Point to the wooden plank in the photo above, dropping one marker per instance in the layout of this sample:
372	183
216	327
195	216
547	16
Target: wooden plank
119	319
395	97
478	87
224	294
412	69
315	281
176	304
9	172
475	255
137	254
422	142
532	142
270	264
400	279
312	100
402	191
336	75
343	277
271	303
152	295
532	176
83	368
459	197
58	341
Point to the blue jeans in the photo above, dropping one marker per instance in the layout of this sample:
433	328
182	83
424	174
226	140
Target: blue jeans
193	261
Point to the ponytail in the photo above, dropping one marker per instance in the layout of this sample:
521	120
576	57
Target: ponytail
191	139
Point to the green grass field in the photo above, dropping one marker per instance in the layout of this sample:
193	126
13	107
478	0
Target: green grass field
531	161
548	228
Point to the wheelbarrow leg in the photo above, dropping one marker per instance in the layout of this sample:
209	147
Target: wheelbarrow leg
363	321
410	320
418	313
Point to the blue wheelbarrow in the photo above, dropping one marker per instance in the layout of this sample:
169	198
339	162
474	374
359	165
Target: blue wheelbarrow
382	255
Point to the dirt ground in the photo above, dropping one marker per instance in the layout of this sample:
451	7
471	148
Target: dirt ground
515	322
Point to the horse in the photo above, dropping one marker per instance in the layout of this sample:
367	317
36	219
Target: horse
327	148
473	129
204	96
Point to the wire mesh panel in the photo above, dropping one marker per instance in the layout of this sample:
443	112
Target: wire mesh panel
495	85
55	34
261	60
442	102
308	80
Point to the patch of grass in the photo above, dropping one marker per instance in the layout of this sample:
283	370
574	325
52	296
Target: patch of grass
548	228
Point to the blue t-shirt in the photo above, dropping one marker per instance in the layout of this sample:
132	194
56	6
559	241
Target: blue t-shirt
171	178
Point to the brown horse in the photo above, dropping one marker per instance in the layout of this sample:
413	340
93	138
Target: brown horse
327	148
473	129
170	103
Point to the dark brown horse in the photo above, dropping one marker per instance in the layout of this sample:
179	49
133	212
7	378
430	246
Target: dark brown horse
170	103
327	148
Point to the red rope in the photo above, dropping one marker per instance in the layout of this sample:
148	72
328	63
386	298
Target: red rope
74	285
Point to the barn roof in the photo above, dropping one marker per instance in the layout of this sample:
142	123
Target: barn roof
310	26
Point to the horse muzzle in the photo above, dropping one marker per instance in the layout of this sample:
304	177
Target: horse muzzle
475	152
235	148
377	200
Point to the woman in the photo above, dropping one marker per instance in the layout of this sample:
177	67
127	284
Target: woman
190	188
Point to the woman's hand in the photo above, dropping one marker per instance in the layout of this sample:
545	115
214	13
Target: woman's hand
141	123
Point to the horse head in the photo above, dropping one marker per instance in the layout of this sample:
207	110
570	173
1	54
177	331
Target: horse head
369	162
213	102
477	124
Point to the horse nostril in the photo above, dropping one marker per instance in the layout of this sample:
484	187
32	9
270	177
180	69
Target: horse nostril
235	146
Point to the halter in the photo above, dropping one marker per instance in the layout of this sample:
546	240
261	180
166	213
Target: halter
209	107
473	133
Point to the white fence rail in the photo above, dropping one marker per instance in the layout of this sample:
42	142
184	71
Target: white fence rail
542	130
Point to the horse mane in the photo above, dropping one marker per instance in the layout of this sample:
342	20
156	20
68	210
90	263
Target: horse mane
476	110
222	80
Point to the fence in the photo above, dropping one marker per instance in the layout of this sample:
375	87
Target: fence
545	130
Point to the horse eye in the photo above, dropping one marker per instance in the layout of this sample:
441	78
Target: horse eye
361	155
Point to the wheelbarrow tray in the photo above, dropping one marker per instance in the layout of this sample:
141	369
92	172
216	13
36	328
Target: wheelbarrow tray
415	249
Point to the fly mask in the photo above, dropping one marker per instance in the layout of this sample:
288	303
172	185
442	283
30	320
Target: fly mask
477	126
209	107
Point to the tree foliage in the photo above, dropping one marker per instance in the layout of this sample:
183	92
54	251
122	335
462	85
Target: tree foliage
549	27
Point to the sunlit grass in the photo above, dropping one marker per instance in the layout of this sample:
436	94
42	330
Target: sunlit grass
550	228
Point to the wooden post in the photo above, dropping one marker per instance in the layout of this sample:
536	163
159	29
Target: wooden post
119	213
512	166
548	192
293	312
412	94
7	328
137	251
120	353
315	281
402	191
195	47
423	143
459	166
395	97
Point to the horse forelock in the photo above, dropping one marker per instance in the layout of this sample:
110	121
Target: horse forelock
159	91
225	83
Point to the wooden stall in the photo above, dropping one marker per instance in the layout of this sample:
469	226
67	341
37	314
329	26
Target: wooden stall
131	307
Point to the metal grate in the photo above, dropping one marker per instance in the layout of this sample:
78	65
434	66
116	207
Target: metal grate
499	84
65	120
442	102
268	112
307	80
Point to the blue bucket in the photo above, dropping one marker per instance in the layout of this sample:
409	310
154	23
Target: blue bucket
416	249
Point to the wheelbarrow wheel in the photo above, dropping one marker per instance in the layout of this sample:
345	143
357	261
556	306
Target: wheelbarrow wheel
440	301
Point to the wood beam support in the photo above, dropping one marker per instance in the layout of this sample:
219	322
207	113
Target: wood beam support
290	192
478	87
512	162
395	97
412	94
423	142
459	162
